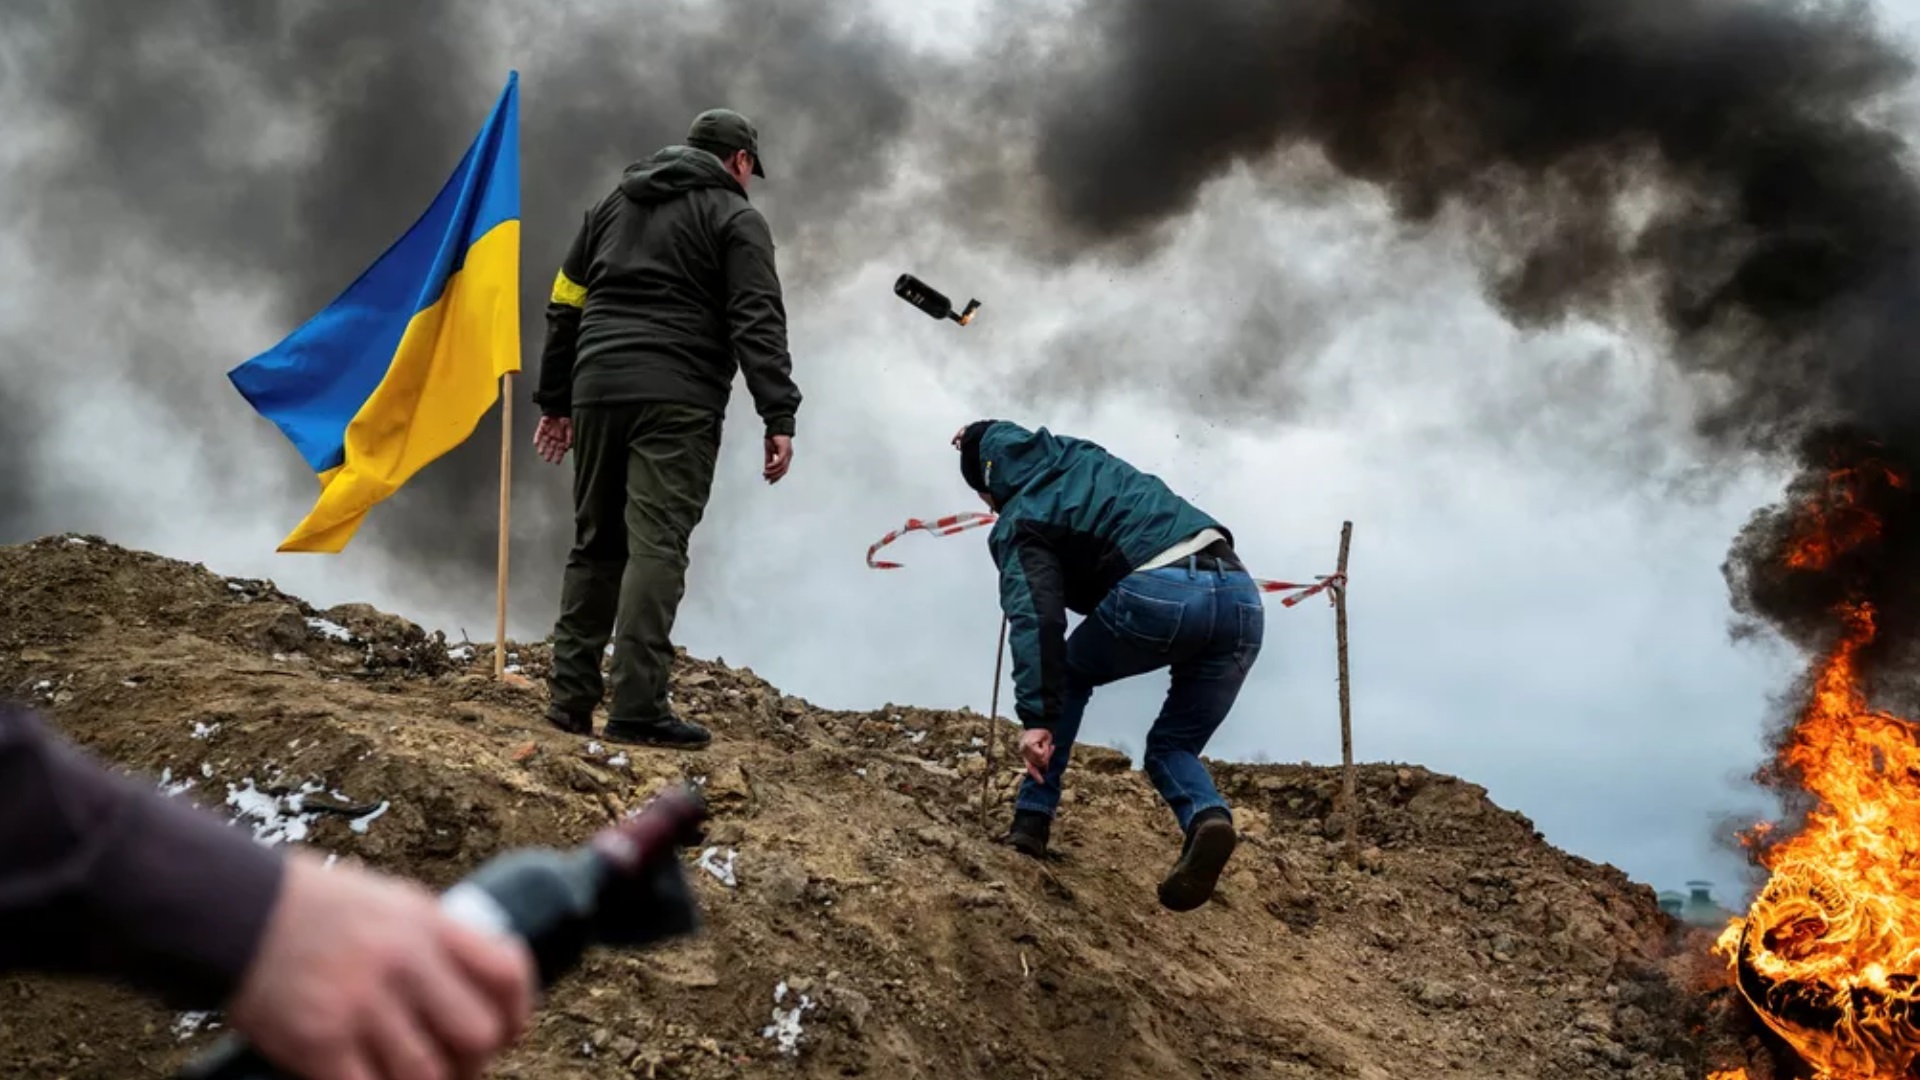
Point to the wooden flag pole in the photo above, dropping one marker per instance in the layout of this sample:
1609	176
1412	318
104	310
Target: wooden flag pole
1346	705
506	518
993	728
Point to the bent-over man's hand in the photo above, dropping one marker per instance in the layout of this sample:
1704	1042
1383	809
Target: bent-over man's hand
1036	746
779	456
553	438
364	977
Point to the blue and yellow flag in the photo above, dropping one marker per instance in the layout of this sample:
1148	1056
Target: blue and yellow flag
402	366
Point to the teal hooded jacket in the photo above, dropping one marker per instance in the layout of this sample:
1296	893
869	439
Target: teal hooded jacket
1073	521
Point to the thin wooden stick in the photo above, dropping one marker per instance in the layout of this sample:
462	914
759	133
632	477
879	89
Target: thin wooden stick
993	727
506	520
1346	710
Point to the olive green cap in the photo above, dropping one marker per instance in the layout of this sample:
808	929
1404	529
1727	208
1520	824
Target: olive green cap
728	130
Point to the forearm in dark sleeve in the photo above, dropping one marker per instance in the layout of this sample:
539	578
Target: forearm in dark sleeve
101	876
565	305
757	316
1033	598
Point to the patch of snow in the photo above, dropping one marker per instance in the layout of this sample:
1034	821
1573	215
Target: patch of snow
594	749
462	653
78	542
512	669
281	658
43	685
360	824
134	683
618	761
860	772
170	786
917	737
275	817
330	629
976	741
785	1029
331	859
206	769
234	586
202	731
188	1024
710	862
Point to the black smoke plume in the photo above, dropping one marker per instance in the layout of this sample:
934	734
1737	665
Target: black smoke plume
1720	174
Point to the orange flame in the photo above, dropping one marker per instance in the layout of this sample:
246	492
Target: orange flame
1832	944
1728	1074
1836	521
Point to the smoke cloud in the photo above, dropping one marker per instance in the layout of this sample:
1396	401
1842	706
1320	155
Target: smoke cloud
1714	175
1705	162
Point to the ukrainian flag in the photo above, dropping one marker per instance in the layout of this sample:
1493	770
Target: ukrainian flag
402	366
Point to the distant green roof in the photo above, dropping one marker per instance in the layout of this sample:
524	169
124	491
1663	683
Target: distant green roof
1696	906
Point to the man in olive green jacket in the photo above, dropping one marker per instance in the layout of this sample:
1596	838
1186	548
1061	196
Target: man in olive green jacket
668	289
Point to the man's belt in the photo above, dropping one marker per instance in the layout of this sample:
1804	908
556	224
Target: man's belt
1217	556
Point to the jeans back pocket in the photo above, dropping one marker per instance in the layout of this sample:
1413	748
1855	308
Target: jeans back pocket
1147	622
1252	632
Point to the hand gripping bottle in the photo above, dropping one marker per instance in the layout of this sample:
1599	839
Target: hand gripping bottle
625	887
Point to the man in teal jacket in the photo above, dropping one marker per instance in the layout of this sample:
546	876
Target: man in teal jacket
1082	530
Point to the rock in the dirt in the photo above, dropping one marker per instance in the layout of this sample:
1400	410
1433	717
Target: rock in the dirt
852	1005
1435	994
1100	759
1595	1019
727	787
776	878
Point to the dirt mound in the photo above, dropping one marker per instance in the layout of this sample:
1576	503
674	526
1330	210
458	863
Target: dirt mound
860	922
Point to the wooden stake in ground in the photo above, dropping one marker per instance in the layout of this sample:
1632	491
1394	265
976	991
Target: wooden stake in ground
993	729
1346	710
506	519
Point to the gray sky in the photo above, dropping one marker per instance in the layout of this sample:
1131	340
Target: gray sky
1536	599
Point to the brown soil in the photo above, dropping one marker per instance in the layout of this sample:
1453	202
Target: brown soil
1462	947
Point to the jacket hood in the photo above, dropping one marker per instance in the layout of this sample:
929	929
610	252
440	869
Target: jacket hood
1013	459
674	171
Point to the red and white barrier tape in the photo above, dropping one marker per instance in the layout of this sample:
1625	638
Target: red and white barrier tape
1321	584
959	523
946	526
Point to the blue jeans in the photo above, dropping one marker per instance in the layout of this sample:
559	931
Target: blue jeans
1206	626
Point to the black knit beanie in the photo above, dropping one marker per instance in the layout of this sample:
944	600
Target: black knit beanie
972	470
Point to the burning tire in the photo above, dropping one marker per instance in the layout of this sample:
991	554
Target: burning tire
1797	964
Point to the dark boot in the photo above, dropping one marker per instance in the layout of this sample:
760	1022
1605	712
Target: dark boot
1029	832
1210	843
573	723
669	731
